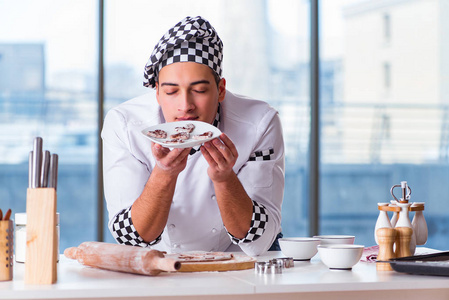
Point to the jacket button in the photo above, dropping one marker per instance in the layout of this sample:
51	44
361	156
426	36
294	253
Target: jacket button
171	226
214	230
175	245
214	198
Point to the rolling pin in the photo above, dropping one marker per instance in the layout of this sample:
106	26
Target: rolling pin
122	258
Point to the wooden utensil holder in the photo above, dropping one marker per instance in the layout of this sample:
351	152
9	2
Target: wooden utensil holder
41	250
6	250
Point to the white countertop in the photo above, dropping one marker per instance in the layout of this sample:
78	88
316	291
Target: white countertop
307	279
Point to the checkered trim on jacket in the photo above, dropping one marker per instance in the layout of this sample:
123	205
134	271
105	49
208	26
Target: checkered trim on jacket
124	231
258	223
262	155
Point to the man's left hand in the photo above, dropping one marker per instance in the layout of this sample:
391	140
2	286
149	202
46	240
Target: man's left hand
221	155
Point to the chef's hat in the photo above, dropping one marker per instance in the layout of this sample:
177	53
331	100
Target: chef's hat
191	40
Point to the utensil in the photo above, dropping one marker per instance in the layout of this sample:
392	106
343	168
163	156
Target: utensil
269	267
7	215
6	250
122	258
45	168
287	262
37	162
53	172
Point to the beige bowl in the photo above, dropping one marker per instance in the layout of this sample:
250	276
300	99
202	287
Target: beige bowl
335	239
342	256
300	248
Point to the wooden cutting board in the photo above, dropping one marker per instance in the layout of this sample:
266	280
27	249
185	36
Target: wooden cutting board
238	262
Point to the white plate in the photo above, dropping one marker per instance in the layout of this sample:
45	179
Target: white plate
200	128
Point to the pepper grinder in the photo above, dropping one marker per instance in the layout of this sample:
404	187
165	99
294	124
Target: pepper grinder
386	238
403	240
404	222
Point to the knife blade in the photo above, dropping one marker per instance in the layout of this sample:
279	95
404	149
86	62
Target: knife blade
45	168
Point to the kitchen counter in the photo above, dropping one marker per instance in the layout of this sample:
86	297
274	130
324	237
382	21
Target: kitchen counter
308	279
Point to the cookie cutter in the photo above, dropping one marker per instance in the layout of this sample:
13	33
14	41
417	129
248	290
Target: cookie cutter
268	267
287	262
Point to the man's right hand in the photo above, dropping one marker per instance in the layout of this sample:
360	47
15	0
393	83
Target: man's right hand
170	161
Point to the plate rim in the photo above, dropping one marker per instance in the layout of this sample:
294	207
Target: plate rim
192	143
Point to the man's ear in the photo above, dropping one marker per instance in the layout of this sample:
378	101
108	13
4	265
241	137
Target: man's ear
221	89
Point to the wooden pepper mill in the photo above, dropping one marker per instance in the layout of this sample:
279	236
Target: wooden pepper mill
386	238
403	238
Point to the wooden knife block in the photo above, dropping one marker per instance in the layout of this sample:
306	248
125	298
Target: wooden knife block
41	249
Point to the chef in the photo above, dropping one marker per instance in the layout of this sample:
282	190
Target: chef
224	194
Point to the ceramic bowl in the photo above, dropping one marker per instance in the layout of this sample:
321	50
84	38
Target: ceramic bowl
340	256
300	248
335	239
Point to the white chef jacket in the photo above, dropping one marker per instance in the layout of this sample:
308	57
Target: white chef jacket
194	221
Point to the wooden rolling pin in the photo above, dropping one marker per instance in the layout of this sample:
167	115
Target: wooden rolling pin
122	258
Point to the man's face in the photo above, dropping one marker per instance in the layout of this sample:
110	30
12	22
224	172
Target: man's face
188	91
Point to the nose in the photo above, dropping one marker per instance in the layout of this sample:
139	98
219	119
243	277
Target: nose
186	103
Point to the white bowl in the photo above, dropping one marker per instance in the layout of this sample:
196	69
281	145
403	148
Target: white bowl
341	256
335	239
300	248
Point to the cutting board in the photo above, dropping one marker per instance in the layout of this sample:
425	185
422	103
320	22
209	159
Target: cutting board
238	262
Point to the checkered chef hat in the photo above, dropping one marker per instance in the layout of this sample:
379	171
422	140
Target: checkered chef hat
192	39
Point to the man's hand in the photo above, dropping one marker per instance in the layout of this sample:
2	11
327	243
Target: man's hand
221	156
170	161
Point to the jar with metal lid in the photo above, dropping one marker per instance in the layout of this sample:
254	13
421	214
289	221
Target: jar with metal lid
21	236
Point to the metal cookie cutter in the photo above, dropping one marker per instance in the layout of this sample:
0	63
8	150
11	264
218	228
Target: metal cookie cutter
268	267
287	262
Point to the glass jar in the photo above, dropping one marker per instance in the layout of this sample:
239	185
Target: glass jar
21	236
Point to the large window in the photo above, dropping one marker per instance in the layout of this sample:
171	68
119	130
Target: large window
266	56
387	120
48	83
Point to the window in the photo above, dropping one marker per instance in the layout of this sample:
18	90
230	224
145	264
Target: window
387	28
384	113
389	121
48	88
387	76
267	58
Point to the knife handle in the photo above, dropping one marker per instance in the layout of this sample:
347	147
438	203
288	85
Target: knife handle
53	172
37	161
45	168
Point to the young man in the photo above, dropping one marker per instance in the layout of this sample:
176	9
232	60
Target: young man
229	191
